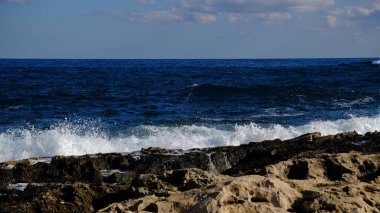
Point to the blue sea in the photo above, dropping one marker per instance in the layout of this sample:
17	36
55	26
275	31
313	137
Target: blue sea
75	107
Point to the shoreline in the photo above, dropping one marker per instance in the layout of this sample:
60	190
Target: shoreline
304	174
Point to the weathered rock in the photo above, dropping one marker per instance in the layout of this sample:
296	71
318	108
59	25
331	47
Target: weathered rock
120	177
156	150
310	173
228	194
186	179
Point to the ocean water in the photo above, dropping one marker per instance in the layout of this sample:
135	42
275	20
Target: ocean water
74	107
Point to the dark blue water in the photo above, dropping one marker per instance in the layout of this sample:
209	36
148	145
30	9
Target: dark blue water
122	97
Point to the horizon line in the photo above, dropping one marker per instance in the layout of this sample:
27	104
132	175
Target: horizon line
263	58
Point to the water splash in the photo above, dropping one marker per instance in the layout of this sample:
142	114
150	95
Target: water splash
74	139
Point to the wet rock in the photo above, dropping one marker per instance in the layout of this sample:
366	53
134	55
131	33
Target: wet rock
76	168
120	177
156	150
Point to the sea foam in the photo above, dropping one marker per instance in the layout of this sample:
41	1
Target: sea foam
65	140
376	62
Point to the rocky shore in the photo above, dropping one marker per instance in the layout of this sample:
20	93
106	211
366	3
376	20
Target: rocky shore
310	173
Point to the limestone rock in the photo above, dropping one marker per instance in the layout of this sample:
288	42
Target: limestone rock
310	173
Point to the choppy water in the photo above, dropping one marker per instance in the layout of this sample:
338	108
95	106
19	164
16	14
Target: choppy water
51	107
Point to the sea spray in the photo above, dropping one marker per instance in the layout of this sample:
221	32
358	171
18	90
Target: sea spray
66	139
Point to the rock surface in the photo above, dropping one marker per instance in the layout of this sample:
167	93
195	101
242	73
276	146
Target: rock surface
310	173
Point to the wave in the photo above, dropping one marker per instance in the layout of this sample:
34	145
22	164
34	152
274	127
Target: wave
216	90
375	62
360	101
69	138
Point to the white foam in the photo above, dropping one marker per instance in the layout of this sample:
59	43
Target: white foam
177	152
377	62
9	167
136	155
107	173
64	140
22	186
18	186
40	160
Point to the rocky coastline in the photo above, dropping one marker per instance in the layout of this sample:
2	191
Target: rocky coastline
311	173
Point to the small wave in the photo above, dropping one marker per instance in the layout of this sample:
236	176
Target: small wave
274	112
215	90
360	101
362	62
65	139
15	107
377	62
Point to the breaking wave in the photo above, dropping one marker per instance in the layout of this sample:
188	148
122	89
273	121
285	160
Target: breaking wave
75	139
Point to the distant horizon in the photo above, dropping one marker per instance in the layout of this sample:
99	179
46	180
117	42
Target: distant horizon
187	58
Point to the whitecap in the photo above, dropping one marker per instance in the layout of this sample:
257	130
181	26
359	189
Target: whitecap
360	101
65	140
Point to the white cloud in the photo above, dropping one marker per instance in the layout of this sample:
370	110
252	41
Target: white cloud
15	1
146	1
361	21
331	21
208	11
164	16
351	15
255	6
274	17
234	17
154	16
204	17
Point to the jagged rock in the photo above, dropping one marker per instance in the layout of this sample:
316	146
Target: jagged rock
311	173
186	179
120	177
156	150
236	194
148	184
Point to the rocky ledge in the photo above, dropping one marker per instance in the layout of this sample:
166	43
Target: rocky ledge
310	173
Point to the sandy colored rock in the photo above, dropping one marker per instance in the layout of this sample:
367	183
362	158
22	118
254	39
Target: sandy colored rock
237	194
311	173
312	191
348	187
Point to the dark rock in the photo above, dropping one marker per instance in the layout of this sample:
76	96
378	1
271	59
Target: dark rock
76	168
335	171
155	150
120	177
299	170
186	179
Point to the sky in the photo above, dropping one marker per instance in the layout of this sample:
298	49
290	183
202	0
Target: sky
129	29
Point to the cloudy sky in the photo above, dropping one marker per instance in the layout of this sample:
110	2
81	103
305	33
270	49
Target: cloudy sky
189	28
